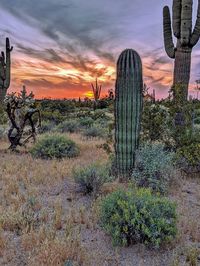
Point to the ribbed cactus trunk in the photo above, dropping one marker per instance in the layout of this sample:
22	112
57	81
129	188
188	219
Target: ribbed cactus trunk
182	68
128	108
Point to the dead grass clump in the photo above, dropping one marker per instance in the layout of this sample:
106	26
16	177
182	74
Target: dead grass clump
49	248
58	251
3	243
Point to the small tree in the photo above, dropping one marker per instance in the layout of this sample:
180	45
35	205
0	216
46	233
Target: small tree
20	109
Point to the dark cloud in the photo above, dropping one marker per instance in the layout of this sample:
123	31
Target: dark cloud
82	33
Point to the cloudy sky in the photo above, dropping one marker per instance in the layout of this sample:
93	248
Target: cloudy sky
61	46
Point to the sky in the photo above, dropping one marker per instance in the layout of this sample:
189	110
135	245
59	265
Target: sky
62	46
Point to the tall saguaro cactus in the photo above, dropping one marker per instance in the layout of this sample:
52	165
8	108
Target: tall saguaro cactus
5	65
128	108
96	89
187	38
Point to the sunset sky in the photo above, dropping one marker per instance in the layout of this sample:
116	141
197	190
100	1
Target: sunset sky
61	46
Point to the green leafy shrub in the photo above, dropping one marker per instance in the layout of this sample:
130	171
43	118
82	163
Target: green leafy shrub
86	122
91	177
55	146
153	167
3	116
197	120
156	123
188	157
53	116
187	153
99	114
68	126
46	126
94	132
138	216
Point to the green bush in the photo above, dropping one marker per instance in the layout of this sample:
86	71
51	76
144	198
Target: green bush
46	126
153	167
54	146
94	132
188	157
68	126
86	122
99	114
138	216
3	116
197	120
91	177
53	116
187	153
156	123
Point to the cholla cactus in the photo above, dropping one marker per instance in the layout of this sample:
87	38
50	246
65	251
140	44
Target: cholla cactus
186	40
20	109
5	65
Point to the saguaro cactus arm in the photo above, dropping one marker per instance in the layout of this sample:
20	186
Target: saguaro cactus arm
168	40
186	21
8	51
196	32
176	18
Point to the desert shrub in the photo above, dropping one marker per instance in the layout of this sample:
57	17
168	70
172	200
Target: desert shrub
84	113
187	153
188	157
108	146
55	146
86	122
68	126
3	116
91	177
46	126
153	167
197	120
2	131
99	114
102	123
156	123
138	216
53	116
94	132
196	116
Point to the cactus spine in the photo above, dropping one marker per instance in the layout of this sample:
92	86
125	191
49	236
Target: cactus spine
5	64
128	108
186	40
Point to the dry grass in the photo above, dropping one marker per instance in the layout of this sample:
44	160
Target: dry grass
23	183
41	224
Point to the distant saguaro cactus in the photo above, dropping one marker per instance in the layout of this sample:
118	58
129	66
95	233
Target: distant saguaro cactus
96	92
128	109
5	65
186	40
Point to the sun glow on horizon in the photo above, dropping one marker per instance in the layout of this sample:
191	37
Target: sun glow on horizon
88	94
60	80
